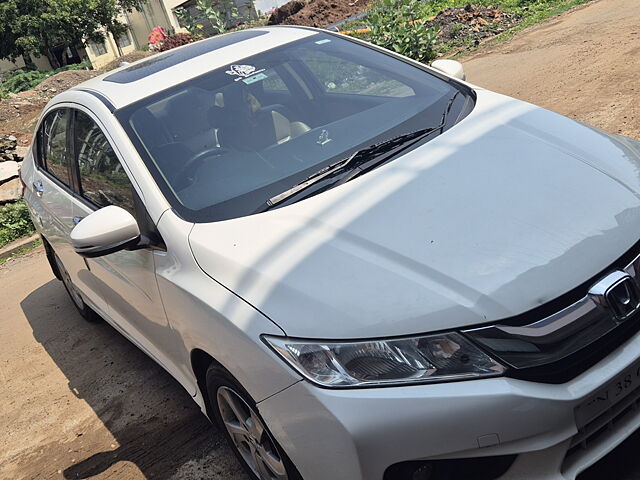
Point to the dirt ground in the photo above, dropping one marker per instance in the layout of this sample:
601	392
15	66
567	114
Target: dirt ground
19	113
79	401
584	64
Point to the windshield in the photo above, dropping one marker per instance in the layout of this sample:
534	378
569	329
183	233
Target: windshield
221	144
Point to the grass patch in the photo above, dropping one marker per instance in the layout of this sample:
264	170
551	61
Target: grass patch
15	222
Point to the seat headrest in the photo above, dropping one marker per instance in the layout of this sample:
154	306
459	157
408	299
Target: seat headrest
188	113
148	128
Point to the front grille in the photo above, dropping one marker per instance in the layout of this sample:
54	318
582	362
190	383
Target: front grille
601	425
559	357
573	365
560	346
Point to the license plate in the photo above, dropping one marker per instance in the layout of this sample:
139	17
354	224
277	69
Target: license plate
609	395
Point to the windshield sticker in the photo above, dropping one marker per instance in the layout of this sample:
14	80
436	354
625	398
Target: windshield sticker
320	42
255	78
243	71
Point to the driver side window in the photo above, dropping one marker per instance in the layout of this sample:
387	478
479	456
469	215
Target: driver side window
103	180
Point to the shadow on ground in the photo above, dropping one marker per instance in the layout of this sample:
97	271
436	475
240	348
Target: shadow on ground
156	425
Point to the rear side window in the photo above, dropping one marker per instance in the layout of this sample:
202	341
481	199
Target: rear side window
55	156
103	180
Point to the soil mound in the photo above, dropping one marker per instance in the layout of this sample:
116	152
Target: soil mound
19	112
471	22
129	58
279	15
316	13
63	81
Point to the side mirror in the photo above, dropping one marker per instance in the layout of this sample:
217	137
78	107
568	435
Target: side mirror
105	231
450	67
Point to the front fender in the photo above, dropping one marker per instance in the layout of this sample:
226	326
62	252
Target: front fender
207	316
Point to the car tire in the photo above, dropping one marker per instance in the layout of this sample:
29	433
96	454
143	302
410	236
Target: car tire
61	272
238	418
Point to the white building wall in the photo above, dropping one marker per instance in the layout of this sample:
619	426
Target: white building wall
41	63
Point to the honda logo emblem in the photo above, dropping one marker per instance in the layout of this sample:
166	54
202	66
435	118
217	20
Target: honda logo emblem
617	292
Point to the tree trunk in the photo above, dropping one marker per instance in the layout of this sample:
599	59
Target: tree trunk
115	40
28	62
53	60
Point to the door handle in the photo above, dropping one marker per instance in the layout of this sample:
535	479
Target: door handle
38	187
77	220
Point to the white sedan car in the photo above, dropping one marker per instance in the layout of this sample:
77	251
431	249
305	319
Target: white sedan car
360	267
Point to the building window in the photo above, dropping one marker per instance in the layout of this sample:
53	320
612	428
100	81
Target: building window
124	40
98	48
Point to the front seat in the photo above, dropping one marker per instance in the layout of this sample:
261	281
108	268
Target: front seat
270	128
244	129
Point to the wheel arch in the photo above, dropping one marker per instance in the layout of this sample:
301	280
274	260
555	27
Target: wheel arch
48	250
200	363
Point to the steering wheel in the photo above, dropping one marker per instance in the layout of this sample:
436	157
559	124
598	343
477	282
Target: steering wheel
191	165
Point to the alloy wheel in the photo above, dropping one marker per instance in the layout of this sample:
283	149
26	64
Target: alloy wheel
250	436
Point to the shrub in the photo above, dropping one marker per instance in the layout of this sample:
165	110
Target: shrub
399	25
176	40
14	222
21	80
218	14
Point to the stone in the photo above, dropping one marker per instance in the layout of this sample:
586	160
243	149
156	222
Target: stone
7	142
11	191
21	153
9	170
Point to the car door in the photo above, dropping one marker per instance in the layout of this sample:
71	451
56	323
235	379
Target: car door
126	279
50	187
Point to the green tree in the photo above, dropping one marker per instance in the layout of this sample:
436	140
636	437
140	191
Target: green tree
36	26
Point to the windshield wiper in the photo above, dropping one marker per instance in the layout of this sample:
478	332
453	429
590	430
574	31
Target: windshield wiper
359	162
405	141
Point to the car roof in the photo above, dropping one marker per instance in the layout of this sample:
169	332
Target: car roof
150	75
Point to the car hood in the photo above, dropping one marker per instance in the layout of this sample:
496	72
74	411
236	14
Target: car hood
510	208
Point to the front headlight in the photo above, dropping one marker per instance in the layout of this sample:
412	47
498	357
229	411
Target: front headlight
424	359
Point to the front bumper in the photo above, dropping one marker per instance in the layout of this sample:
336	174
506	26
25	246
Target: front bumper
357	434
